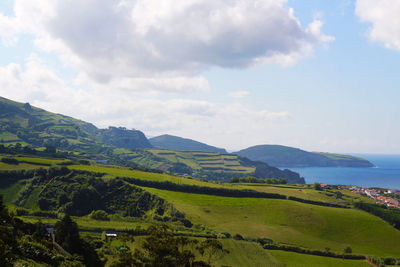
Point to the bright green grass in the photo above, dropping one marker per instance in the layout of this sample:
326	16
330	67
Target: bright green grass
304	193
31	202
7	136
21	166
290	222
303	260
86	223
39	160
246	254
10	194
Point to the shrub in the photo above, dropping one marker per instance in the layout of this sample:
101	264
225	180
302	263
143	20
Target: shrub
99	215
389	261
21	211
238	237
10	161
84	162
348	250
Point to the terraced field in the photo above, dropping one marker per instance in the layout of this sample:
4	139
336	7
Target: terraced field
196	160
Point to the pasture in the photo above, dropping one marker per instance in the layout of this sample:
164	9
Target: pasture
289	222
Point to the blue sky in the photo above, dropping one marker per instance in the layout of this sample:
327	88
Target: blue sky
323	77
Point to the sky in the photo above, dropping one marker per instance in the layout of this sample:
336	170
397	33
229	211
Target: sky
318	75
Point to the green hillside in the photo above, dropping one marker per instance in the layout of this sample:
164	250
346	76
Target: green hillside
277	155
205	165
171	142
133	198
27	125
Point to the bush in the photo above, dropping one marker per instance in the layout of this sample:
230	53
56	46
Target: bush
264	241
313	252
389	261
238	237
21	211
99	215
84	162
317	186
348	250
10	161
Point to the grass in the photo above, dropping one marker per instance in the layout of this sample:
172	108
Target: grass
41	161
86	223
304	192
243	253
21	166
299	260
8	137
10	194
124	172
289	222
198	160
31	202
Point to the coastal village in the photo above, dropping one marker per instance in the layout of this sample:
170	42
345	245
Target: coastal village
388	197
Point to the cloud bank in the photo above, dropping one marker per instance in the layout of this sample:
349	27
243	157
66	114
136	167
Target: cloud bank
110	40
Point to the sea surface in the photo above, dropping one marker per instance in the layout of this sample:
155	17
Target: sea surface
386	174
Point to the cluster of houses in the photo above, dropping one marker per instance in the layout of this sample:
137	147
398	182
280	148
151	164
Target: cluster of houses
380	195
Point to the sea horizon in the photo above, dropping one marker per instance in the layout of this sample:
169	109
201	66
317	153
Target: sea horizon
385	174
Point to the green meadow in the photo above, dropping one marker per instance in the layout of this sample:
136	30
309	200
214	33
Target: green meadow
302	260
289	222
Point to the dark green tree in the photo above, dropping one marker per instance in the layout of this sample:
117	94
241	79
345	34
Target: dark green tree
348	250
67	236
317	186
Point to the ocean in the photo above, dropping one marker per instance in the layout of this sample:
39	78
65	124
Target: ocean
386	174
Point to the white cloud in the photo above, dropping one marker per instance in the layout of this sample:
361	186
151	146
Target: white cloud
9	28
122	40
239	94
385	20
218	123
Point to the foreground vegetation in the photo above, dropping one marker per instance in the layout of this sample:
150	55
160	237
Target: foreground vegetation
124	200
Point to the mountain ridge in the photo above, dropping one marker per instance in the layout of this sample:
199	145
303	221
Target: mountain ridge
167	141
284	156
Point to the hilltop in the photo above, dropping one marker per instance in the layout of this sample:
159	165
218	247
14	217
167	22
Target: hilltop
277	155
28	125
177	143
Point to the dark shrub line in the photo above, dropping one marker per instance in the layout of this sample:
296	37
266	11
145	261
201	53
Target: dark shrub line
314	252
202	189
319	203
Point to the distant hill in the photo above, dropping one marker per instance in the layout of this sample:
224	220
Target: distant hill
27	125
277	155
182	144
206	165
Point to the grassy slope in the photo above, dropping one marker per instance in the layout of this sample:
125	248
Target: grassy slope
288	190
295	259
86	223
284	221
290	222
